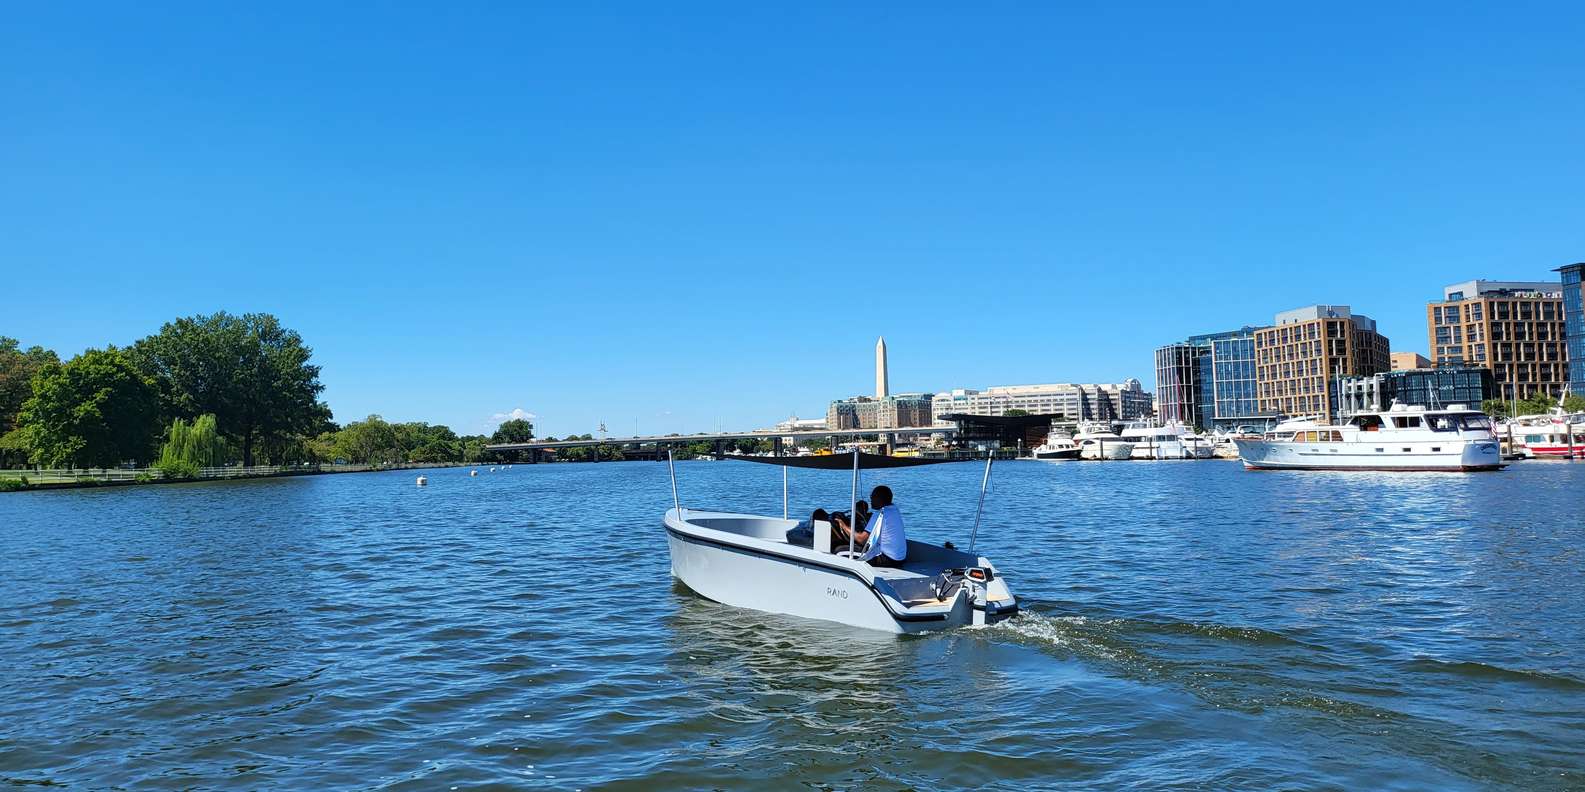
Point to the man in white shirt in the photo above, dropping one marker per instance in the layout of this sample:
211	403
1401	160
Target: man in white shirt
888	542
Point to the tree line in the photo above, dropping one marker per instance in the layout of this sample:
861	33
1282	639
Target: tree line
205	390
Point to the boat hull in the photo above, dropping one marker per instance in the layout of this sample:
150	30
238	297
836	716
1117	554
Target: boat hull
756	574
1107	450
1419	456
1056	456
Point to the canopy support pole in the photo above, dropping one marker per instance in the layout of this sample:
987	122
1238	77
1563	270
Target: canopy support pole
784	492
676	504
853	511
984	480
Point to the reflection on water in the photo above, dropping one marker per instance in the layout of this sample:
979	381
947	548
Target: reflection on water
1186	624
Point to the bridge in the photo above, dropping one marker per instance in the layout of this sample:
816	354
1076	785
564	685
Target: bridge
634	447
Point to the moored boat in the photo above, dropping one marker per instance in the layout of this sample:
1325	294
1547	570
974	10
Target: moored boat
1401	438
1169	441
1557	435
1099	442
1058	446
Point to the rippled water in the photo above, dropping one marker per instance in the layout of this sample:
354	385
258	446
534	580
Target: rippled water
1186	624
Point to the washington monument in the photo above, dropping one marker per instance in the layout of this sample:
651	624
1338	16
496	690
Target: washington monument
881	383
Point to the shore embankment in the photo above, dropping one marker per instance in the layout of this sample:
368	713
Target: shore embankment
23	480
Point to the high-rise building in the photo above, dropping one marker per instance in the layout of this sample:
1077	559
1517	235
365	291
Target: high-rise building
1234	396
1208	381
1513	328
1126	400
1574	326
1409	361
1302	354
1178	378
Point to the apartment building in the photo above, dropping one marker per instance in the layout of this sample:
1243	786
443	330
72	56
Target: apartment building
1300	357
1514	328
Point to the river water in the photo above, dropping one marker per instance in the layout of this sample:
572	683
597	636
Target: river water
1186	624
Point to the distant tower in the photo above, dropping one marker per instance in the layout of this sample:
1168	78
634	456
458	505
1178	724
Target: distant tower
882	385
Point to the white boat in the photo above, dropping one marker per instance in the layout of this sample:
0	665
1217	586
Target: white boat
1099	442
1554	435
1058	446
1169	441
745	560
1401	438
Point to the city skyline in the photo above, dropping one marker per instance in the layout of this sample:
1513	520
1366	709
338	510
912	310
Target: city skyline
675	222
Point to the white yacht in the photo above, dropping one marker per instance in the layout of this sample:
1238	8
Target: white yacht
1400	438
1553	435
747	560
1058	446
1171	441
1097	441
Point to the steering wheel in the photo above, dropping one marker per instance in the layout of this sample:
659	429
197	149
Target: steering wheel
851	555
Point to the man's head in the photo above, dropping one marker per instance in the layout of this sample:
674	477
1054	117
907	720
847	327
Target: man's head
881	496
861	507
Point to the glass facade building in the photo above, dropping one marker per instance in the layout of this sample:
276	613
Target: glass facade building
1235	398
1208	381
1439	387
1574	327
1178	384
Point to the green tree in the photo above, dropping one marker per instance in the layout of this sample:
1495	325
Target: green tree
371	441
1015	412
473	448
1574	403
517	430
17	367
1496	408
249	371
97	410
198	443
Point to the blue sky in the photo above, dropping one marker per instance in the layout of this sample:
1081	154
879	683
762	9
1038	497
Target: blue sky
674	217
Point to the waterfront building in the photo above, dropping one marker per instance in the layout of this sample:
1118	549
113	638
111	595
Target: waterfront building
1514	328
1432	388
1409	361
1179	396
1302	354
899	411
1234	393
1574	327
1208	381
1126	400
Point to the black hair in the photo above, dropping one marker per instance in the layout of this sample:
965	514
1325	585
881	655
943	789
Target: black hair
820	514
882	495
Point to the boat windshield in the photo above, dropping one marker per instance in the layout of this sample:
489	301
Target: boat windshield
1475	421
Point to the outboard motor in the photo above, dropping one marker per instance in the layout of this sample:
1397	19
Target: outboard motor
972	581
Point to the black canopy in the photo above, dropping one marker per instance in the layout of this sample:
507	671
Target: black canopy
841	461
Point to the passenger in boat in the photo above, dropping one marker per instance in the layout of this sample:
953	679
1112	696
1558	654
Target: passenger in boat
804	532
841	527
887	541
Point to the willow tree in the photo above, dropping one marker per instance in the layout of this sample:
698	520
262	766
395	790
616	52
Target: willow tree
250	372
198	443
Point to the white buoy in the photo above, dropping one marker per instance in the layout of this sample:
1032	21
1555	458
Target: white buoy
422	481
473	472
492	470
